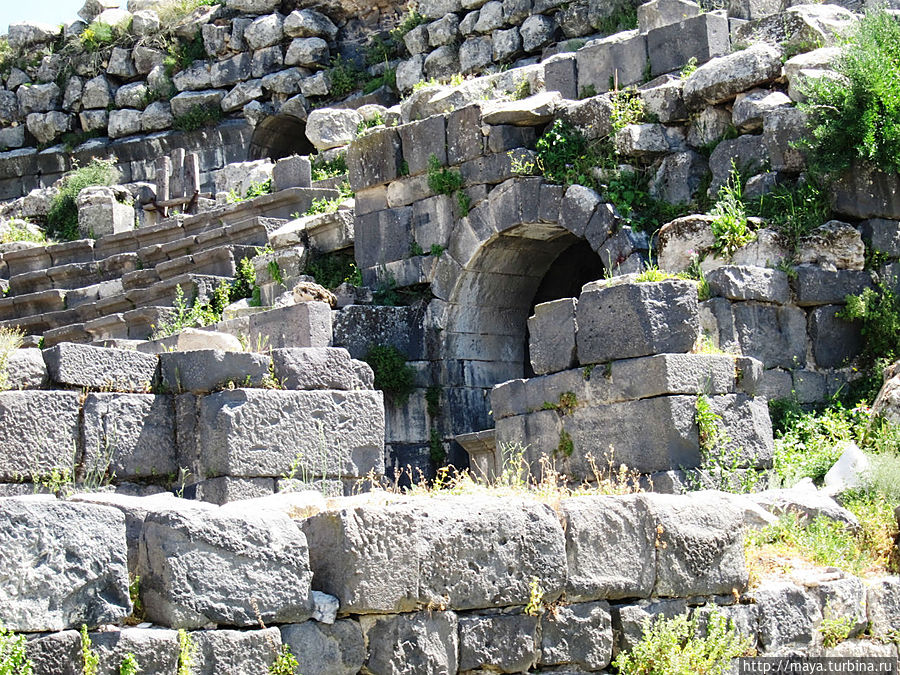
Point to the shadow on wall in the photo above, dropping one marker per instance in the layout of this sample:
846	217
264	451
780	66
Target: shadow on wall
280	136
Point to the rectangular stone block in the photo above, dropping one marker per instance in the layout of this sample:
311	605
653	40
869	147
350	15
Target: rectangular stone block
358	327
306	324
835	341
560	74
205	370
618	59
199	566
65	564
235	652
699	37
290	172
551	336
506	642
268	433
663	374
374	159
224	489
129	436
106	368
636	319
418	552
609	541
421	140
321	368
739	282
579	635
39	433
383	236
430	643
464	139
774	334
817	286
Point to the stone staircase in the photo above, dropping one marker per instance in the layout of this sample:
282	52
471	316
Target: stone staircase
118	286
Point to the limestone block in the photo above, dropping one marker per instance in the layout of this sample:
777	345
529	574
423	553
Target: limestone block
651	376
129	435
94	120
242	94
490	17
701	547
200	566
421	140
69	561
509	643
374	159
264	31
309	23
608	542
235	652
308	52
321	368
96	93
642	140
144	22
187	101
330	128
774	334
749	283
423	642
230	71
751	108
121	64
256	433
253	6
207	370
627	320
154	649
722	78
663	97
124	123
679	176
700	37
305	324
530	111
659	13
578	635
834	245
560	75
47	127
443	62
38	98
39	432
444	31
107	368
405	555
621	57
157	116
883	605
538	31
28	33
747	153
294	171
551	336
321	649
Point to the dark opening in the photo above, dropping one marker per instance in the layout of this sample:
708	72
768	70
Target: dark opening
280	136
572	269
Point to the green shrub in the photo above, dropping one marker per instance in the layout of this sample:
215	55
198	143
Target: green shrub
182	53
198	117
244	284
89	658
332	269
187	651
129	665
335	167
12	654
730	226
191	314
674	647
62	218
878	311
6	56
10	340
285	663
857	118
624	18
97	36
345	76
627	108
16	232
794	211
441	180
393	375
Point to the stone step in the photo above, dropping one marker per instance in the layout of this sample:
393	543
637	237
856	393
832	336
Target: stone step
249	233
73	275
220	261
162	293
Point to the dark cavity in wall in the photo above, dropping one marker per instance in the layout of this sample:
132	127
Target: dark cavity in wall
280	136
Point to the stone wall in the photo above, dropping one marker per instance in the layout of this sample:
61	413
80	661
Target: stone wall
381	584
217	425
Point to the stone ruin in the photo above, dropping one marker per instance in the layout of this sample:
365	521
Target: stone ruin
236	470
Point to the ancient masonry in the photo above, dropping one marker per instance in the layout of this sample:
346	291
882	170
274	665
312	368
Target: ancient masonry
214	495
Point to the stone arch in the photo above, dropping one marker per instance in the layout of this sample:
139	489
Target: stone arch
280	136
497	259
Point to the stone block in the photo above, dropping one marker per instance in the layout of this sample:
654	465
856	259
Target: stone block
55	653
358	327
628	621
129	436
25	369
749	283
700	37
422	642
883	606
257	433
659	13
577	635
864	192
39	433
464	140
834	245
509	643
636	319
69	561
609	540
816	286
551	336
788	615
375	158
413	553
560	75
235	652
326	649
202	566
225	489
100	212
664	98
652	376
882	235
321	368
154	649
835	341
620	58
206	370
294	171
722	78
77	365
774	334
305	324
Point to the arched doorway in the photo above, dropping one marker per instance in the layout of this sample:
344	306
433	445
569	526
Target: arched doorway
280	136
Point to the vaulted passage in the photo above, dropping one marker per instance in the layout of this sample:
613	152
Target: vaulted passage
280	136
